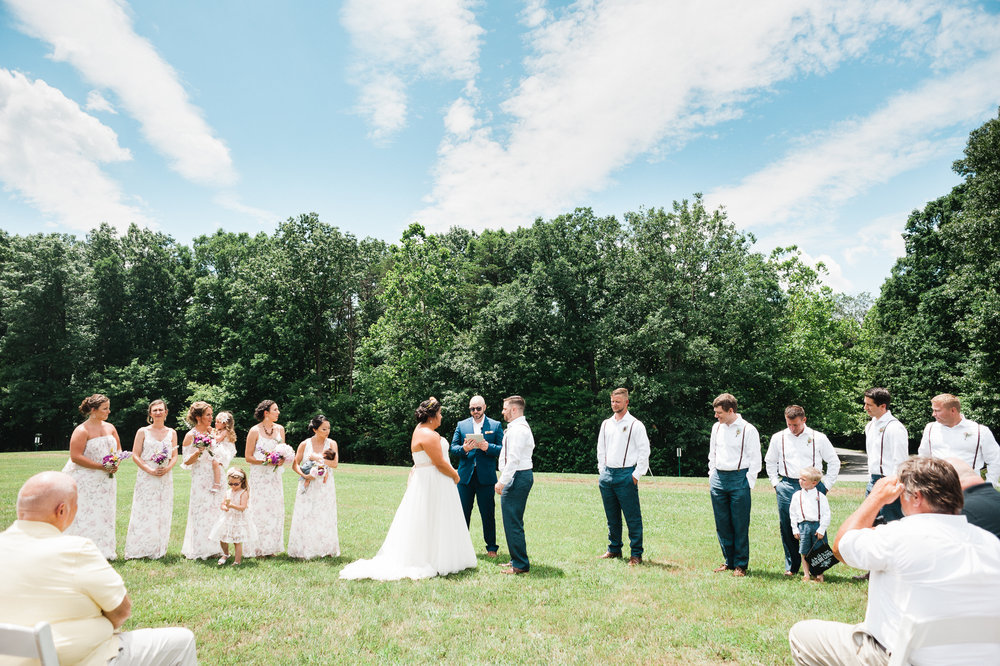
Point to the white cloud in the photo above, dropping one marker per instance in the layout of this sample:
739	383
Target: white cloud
50	152
231	201
610	81
97	38
882	237
834	276
831	167
399	40
97	102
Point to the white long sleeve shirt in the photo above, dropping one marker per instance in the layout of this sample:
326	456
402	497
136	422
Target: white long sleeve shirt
515	454
735	446
623	443
809	505
887	444
973	443
788	454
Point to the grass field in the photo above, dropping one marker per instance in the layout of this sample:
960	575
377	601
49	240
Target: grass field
571	608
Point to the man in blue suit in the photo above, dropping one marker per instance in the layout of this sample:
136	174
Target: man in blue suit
477	467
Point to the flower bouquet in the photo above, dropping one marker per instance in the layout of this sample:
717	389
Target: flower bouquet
112	460
161	456
204	442
275	458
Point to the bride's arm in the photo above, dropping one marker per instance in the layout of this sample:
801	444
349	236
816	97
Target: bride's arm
430	444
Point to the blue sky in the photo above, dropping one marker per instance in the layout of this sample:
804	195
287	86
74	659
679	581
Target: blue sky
821	124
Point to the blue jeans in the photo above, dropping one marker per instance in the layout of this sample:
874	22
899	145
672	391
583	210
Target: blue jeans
730	493
620	495
512	502
889	512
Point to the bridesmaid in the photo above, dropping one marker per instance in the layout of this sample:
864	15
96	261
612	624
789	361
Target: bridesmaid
266	509
314	521
96	490
154	452
203	507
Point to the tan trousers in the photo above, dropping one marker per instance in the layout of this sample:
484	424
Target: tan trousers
823	643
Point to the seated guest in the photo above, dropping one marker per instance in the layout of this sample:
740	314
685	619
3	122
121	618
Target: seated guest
65	581
982	501
931	564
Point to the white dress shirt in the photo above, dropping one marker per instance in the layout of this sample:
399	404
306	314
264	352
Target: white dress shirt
623	443
887	444
809	505
788	454
930	566
973	443
515	454
735	446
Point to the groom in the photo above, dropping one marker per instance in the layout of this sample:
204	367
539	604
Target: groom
516	479
477	464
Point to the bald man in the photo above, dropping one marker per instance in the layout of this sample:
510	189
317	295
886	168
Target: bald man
982	501
65	581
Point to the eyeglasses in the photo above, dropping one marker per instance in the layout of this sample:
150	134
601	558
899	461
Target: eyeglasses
236	483
475	409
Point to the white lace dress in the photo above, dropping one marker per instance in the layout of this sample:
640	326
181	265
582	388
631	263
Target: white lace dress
428	536
96	497
267	504
234	526
203	509
152	503
314	520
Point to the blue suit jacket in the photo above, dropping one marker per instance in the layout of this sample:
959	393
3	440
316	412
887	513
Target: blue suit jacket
483	462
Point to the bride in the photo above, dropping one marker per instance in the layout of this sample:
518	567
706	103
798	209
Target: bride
428	536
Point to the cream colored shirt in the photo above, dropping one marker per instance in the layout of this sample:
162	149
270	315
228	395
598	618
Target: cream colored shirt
65	581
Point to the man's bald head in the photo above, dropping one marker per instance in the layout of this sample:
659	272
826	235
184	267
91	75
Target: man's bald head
967	476
48	497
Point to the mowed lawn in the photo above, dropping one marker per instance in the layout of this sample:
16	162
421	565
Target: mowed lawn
571	608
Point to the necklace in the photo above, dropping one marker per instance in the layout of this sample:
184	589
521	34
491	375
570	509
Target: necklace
266	431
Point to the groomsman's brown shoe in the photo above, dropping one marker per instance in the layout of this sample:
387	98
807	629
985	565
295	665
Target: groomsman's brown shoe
610	556
491	553
635	560
739	572
720	568
514	571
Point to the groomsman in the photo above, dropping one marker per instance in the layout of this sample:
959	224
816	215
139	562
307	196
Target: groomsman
887	444
515	482
953	435
733	465
477	467
622	458
790	451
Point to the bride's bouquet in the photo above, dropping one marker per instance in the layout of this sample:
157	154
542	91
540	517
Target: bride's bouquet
275	458
112	460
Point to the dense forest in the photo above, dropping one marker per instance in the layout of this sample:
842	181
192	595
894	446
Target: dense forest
672	303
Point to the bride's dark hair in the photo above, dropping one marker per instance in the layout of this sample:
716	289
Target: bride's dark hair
428	409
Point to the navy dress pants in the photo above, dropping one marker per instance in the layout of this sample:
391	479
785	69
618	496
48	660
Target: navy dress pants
730	492
620	495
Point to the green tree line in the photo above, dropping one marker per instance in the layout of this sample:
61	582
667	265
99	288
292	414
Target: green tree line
672	303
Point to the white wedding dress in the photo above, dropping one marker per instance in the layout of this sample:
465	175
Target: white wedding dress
428	536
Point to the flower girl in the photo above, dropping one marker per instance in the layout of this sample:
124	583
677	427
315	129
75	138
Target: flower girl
224	435
234	526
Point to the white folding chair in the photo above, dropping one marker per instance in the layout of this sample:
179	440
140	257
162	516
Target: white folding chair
31	642
918	634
